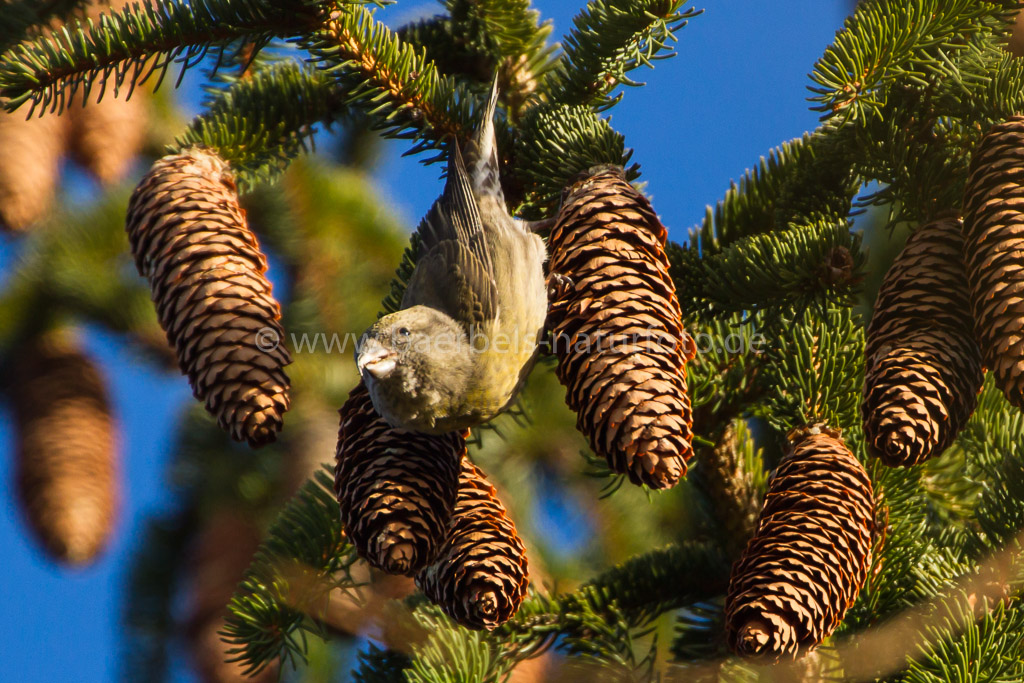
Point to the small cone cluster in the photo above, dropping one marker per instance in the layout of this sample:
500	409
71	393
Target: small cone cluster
616	329
29	166
190	239
480	576
67	468
994	253
923	370
396	488
809	558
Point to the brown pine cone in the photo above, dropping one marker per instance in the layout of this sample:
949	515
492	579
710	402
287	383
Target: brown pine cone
480	576
67	461
810	556
221	553
29	166
204	265
106	136
994	252
616	329
396	488
923	369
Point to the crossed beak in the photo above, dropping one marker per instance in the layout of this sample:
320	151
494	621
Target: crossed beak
375	359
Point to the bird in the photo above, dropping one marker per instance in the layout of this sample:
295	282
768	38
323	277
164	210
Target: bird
468	329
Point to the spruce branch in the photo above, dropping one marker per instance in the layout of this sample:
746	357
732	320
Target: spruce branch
818	263
130	45
994	440
302	558
625	598
727	475
599	621
887	42
509	25
556	142
980	644
478	37
22	18
399	89
609	39
259	122
801	178
722	376
812	371
747	207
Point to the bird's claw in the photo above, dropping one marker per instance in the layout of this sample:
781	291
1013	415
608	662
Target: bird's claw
559	284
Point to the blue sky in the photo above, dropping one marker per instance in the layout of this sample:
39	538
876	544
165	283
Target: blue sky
736	89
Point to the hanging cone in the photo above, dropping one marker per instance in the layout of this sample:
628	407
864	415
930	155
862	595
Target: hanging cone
994	252
396	488
923	370
29	166
219	557
810	556
190	239
66	453
105	136
480	576
617	332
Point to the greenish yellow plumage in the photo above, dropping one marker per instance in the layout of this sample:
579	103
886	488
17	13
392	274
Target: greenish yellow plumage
459	349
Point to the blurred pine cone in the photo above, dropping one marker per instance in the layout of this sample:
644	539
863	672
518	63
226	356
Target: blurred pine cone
480	576
923	370
617	332
29	166
396	488
67	468
191	240
106	136
994	252
810	556
220	555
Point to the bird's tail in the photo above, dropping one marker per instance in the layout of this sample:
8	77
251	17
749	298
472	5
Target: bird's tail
481	153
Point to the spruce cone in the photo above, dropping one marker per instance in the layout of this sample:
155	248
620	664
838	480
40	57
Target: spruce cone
221	553
617	331
67	456
204	265
29	166
994	252
106	136
923	368
810	556
480	576
396	488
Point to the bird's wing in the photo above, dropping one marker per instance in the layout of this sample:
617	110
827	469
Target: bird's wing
455	273
451	279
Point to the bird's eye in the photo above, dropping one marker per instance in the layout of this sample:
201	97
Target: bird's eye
403	332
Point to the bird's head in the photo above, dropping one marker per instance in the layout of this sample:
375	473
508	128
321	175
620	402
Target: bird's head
411	359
